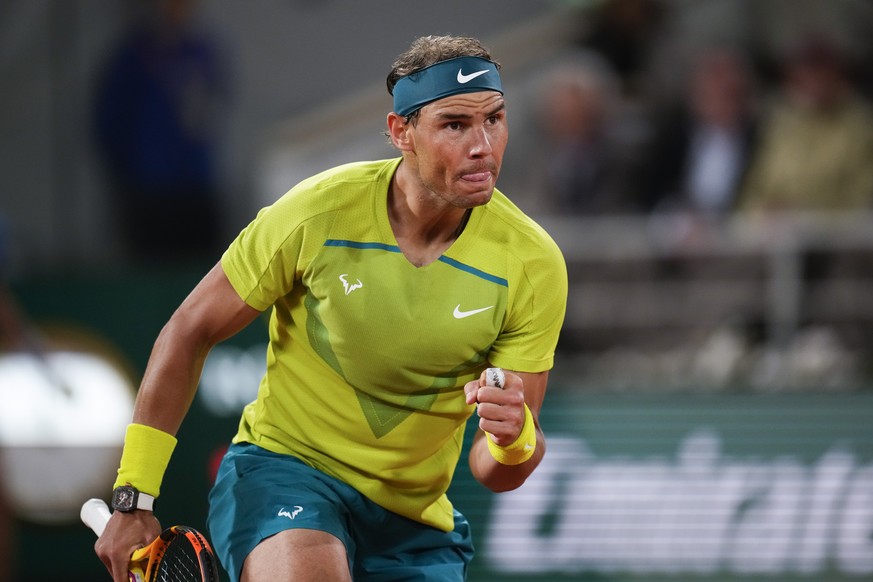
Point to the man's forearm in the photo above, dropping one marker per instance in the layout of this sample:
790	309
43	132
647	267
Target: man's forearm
170	380
496	476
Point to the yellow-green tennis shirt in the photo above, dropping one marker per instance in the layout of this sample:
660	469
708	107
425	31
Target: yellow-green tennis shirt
368	354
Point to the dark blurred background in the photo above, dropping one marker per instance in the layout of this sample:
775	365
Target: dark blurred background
705	165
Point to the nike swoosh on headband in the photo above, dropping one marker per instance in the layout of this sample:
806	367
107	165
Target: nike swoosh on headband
462	78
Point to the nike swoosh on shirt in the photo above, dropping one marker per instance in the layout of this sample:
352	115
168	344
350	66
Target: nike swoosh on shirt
462	314
462	78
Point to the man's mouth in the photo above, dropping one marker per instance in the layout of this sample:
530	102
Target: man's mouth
480	176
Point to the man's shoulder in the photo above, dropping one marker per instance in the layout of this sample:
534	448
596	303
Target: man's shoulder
511	226
336	188
353	172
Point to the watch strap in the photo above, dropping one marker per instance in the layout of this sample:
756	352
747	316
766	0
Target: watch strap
145	501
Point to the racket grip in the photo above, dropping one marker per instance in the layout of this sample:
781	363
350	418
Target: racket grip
495	377
95	514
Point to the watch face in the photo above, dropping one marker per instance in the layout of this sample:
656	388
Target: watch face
123	499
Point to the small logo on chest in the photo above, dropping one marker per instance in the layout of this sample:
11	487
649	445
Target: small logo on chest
349	287
462	314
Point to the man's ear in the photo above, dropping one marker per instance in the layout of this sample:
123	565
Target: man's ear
399	132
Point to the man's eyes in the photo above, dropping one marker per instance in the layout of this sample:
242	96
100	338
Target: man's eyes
456	125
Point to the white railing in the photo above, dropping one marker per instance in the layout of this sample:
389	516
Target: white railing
669	286
761	270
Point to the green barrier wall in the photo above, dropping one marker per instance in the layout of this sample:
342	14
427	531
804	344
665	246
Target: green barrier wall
634	487
683	487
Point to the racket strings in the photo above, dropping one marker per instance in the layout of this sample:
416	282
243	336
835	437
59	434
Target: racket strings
179	563
186	560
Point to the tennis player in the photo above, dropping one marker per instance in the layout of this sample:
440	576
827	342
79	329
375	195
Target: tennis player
393	285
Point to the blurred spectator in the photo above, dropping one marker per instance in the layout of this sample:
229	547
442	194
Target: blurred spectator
817	140
156	119
583	166
816	155
624	33
701	148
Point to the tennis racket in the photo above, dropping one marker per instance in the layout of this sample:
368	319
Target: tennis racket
179	554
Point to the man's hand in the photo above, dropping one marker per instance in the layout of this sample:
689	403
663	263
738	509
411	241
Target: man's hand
501	410
124	534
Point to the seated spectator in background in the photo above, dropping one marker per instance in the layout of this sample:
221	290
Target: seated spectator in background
816	149
583	167
702	148
625	33
156	122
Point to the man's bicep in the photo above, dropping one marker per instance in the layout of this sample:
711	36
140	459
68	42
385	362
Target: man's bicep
214	308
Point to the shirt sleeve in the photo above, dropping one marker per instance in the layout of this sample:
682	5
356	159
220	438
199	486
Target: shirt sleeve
537	309
263	263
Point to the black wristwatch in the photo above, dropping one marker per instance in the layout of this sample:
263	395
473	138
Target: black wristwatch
126	498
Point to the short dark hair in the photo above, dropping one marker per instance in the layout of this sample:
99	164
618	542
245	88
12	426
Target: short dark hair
428	50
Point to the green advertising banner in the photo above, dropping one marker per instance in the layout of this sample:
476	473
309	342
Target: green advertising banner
635	486
688	487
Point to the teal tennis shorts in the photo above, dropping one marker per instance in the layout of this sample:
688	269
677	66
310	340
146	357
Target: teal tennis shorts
258	494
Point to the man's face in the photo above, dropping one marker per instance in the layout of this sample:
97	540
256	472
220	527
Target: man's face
458	144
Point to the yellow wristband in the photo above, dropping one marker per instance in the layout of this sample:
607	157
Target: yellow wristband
522	449
144	460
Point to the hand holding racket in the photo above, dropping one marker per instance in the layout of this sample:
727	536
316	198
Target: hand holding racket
179	554
500	402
